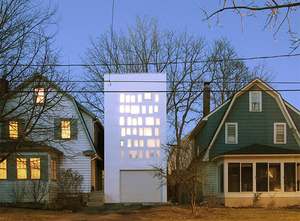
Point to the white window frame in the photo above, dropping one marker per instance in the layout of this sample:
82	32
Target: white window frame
250	101
275	134
236	133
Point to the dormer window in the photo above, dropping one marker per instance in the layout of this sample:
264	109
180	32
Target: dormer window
255	103
39	95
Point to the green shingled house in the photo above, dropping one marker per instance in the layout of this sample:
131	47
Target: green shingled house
252	148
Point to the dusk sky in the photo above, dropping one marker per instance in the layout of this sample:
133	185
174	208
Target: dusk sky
83	18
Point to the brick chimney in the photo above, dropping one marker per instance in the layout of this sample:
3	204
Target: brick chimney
206	99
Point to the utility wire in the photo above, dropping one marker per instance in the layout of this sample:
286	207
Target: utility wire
160	63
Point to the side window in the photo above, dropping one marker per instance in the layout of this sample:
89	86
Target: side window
279	133
231	133
35	168
255	101
39	95
65	129
53	169
12	129
3	170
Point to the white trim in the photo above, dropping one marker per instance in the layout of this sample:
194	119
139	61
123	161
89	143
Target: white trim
236	133
284	135
250	101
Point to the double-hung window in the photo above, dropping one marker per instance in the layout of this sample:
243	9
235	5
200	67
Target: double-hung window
279	133
255	101
3	170
13	129
39	95
35	168
65	128
53	169
231	133
22	168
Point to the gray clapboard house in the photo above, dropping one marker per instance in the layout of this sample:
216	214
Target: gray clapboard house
66	135
252	148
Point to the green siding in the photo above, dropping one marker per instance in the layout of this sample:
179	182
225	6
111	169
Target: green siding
295	116
253	127
205	135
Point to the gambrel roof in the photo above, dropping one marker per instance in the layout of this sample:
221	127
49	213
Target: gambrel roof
283	105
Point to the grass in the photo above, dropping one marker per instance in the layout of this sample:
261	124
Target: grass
139	212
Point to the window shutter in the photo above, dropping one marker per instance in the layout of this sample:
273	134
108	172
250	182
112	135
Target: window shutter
12	168
57	129
21	127
44	168
4	130
74	129
34	97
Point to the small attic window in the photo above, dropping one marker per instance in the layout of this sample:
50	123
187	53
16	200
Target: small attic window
39	95
255	101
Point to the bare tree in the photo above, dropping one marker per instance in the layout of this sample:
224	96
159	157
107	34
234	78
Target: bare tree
26	109
228	74
278	14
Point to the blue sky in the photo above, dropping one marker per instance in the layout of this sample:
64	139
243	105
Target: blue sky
83	18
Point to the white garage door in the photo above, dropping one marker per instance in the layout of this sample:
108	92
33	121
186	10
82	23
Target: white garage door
139	186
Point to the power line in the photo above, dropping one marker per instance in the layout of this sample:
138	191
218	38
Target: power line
160	63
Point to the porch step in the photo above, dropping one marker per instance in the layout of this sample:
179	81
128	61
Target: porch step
96	198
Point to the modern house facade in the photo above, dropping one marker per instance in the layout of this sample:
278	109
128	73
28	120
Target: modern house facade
252	148
67	136
135	131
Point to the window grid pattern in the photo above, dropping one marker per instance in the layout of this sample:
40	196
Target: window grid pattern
139	125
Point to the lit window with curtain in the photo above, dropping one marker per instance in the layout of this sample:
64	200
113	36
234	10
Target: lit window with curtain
35	168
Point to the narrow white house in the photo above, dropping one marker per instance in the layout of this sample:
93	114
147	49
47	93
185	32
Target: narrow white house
135	130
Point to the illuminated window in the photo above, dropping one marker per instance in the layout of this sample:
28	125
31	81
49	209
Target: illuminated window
157	142
133	154
39	95
129	143
135	109
122	98
141	143
129	121
127	98
122	153
35	168
155	108
123	132
156	97
152	153
147	154
134	131
121	121
122	109
128	131
65	129
156	131
140	121
3	170
132	98
147	131
140	98
122	143
149	121
141	132
136	143
127	109
134	121
13	129
144	109
147	96
150	109
21	168
140	154
157	121
157	153
150	142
